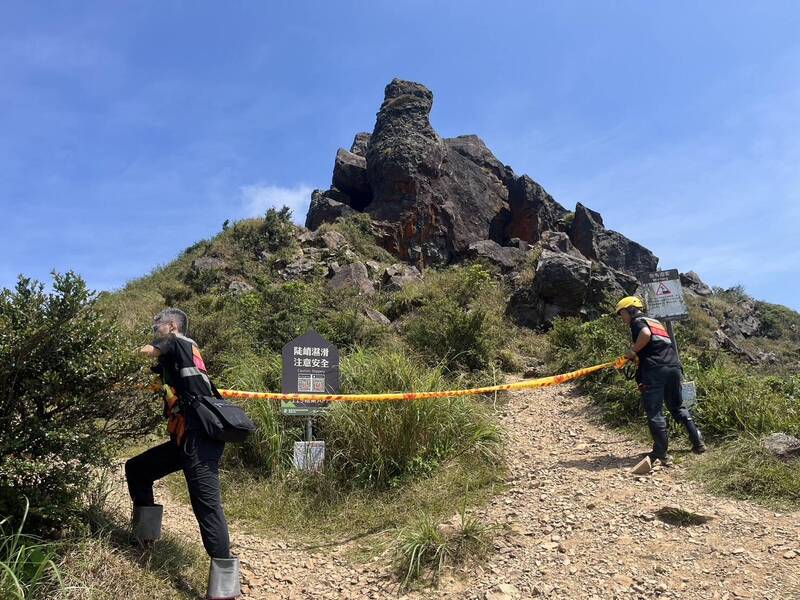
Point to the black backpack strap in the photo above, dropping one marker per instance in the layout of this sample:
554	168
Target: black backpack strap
214	389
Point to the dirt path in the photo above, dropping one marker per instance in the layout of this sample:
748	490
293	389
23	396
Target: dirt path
573	523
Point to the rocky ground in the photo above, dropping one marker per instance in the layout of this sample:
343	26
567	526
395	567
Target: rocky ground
573	524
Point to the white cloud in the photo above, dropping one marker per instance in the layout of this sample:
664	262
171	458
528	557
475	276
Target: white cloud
257	198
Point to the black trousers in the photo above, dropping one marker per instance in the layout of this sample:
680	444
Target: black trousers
198	457
660	384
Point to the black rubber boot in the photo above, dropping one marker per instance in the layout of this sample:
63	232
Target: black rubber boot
698	445
660	442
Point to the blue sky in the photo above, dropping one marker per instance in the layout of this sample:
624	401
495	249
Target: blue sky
132	130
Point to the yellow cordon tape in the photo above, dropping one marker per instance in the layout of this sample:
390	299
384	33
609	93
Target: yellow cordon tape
519	385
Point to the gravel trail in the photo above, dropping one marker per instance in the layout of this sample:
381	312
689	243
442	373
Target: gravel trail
573	524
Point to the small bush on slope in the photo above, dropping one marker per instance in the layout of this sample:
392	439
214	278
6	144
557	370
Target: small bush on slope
457	321
68	378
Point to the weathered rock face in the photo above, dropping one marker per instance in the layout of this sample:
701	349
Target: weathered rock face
360	143
565	285
721	340
475	150
594	241
431	201
397	276
353	277
532	211
325	209
350	176
506	257
558	241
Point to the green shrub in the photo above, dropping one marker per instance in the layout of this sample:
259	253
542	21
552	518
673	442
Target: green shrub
27	564
733	400
276	314
344	324
778	321
459	320
376	443
275	232
68	378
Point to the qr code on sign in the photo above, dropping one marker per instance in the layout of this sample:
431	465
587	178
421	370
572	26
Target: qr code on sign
311	383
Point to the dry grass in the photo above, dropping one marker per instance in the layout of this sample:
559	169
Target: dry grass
107	565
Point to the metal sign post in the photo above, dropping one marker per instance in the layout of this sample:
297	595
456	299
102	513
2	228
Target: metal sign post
664	295
310	366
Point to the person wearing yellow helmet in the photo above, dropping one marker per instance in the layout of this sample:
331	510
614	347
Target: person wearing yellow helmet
659	377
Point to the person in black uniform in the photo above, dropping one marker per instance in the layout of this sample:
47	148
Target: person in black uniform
659	377
183	374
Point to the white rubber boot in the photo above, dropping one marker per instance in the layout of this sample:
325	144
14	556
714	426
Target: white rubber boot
147	522
223	579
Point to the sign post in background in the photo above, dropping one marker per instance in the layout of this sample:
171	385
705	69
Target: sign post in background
664	295
310	366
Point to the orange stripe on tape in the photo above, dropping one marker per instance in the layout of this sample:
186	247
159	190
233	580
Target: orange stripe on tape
389	397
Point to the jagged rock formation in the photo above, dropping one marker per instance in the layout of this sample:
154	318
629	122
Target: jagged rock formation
594	241
566	285
434	201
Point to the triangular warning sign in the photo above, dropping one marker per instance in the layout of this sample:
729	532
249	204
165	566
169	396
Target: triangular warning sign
663	290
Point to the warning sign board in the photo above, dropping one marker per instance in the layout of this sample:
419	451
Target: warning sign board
310	366
664	295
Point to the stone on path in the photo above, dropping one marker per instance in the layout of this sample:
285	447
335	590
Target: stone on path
643	467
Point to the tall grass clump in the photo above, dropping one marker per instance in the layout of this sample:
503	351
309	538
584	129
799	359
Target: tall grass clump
268	448
422	549
375	444
733	399
27	564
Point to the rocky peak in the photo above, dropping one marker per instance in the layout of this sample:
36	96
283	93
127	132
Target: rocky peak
435	201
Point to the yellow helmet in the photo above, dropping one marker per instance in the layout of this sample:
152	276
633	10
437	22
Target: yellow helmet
629	302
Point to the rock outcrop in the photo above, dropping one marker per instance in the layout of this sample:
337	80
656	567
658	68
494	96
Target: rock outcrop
782	445
505	257
692	284
434	201
567	286
326	207
430	200
354	277
594	241
532	211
